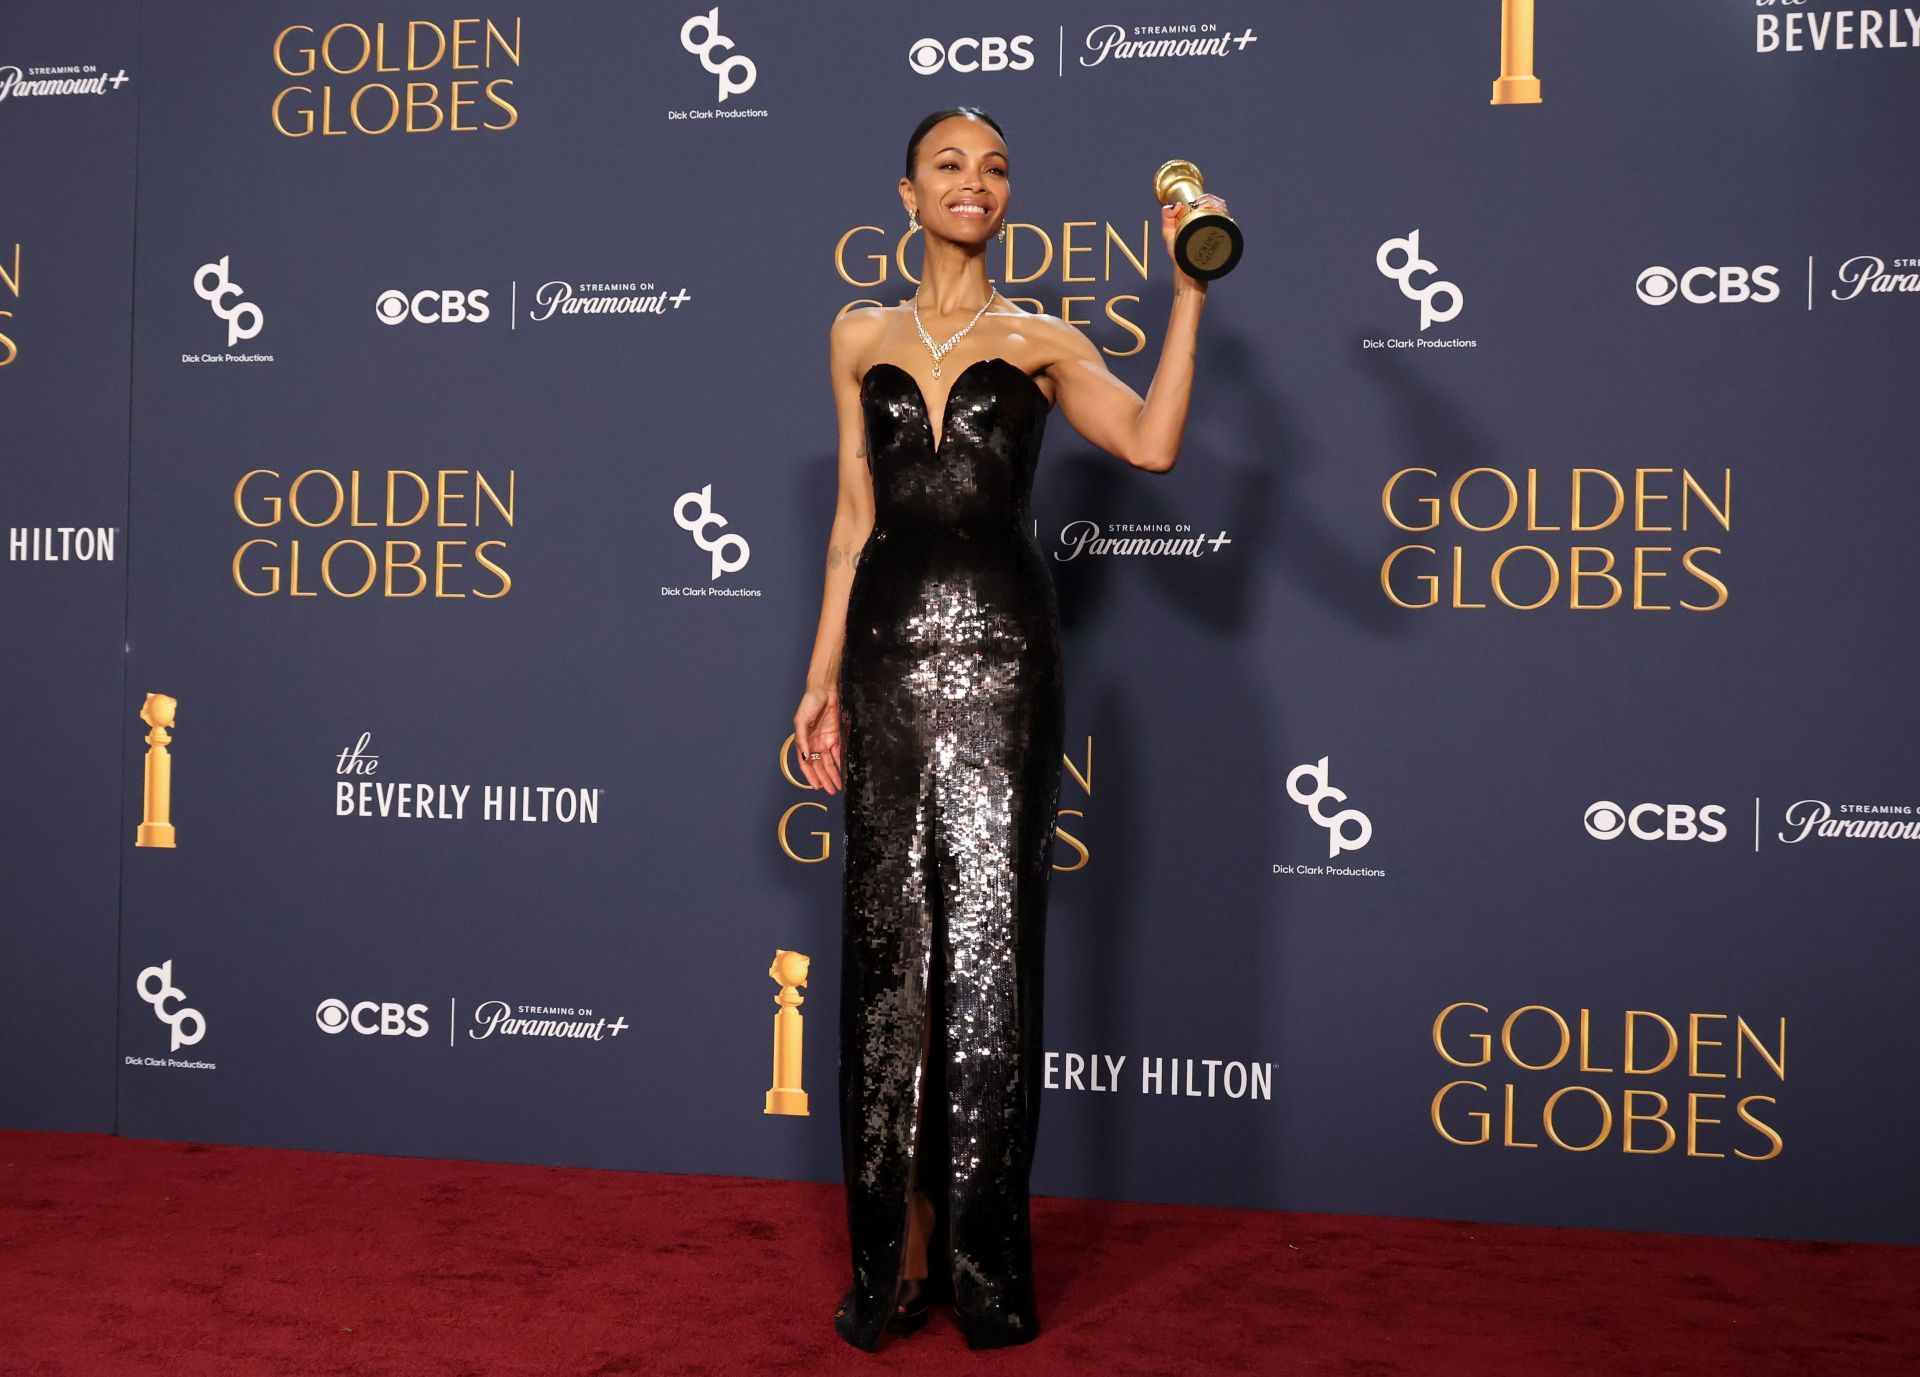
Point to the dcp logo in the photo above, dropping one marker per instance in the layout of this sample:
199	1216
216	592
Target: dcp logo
930	55
433	308
1657	821
372	1019
165	992
736	75
1657	286
1337	841
702	505
1410	246
212	284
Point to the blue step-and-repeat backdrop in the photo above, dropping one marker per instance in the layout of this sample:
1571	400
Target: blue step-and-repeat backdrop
1491	786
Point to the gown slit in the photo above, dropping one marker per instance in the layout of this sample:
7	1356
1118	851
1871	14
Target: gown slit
930	1138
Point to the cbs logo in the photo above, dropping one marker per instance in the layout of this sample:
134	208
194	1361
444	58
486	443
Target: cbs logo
433	308
1658	821
1657	286
930	55
372	1019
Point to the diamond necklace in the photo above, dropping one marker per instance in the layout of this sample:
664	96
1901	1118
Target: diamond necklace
939	351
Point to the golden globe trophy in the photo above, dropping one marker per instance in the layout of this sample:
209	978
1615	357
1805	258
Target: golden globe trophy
789	969
1208	242
1516	84
156	823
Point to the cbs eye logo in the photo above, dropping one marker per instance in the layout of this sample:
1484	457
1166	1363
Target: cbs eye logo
372	1019
433	308
1657	286
1657	821
930	55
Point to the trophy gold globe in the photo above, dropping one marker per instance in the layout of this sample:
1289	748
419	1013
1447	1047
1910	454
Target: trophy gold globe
156	822
787	1096
1208	242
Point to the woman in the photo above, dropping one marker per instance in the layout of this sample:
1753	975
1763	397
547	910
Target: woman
934	698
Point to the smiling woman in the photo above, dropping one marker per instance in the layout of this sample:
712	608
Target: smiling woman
935	697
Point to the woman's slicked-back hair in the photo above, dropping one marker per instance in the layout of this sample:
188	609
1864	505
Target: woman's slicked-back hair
920	131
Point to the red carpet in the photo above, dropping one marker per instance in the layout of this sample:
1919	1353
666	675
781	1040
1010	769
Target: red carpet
124	1257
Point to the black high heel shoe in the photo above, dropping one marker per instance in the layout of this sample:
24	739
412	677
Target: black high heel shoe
910	1310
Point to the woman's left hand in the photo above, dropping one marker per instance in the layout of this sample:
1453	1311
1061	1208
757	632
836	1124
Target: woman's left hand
1170	224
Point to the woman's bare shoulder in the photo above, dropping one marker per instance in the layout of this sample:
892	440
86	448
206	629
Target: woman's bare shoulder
1055	338
855	335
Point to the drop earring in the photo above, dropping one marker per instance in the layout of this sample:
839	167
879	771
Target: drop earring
1003	231
913	221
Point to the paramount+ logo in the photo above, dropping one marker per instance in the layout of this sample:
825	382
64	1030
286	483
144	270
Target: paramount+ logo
1607	820
372	1018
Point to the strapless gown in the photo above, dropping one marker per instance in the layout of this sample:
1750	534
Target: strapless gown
953	704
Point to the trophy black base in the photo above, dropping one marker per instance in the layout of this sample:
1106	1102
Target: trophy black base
1207	245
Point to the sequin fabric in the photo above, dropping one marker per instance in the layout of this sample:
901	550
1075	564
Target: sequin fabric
953	708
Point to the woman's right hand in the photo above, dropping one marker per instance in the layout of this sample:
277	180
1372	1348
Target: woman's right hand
816	727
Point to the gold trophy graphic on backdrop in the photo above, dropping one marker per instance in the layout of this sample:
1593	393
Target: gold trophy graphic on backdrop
789	968
156	823
1208	242
1516	84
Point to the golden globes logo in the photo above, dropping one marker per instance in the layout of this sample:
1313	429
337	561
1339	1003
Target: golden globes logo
1516	84
1525	577
350	567
789	971
820	842
1091	252
1719	1049
156	794
10	283
368	105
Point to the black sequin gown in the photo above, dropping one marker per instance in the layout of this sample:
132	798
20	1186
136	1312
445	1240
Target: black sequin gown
953	709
